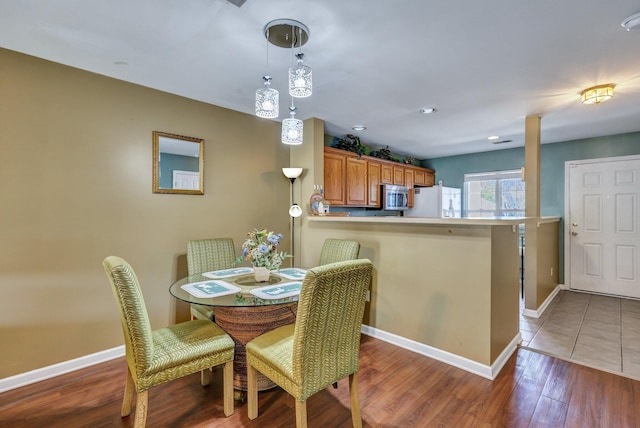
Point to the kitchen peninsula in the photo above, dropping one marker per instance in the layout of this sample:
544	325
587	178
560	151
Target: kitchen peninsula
446	288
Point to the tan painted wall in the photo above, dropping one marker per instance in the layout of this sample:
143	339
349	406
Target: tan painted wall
505	289
547	259
75	187
443	286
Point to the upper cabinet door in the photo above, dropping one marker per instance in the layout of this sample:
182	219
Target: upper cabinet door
357	183
386	174
335	177
398	175
373	176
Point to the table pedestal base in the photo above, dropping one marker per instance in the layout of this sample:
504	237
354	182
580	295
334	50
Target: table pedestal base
244	323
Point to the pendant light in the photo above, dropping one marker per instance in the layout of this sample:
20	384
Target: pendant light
292	128
267	98
287	33
300	77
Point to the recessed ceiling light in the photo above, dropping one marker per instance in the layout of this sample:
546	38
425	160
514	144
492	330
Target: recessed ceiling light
359	128
493	137
428	110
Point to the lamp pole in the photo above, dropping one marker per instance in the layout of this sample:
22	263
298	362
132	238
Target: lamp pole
295	210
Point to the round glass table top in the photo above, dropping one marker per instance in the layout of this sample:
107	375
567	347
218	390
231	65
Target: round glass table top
238	290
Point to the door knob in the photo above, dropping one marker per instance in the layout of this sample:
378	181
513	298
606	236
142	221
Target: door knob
574	224
574	233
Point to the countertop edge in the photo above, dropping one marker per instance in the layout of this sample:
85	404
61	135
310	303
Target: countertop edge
431	221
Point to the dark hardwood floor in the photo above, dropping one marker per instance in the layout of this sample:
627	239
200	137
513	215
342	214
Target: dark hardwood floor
398	388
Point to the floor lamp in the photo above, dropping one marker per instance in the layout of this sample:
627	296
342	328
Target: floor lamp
295	210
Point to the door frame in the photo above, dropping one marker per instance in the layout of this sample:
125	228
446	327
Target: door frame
567	226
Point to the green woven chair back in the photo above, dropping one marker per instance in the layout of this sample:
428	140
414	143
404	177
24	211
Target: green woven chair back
205	255
133	313
326	339
338	250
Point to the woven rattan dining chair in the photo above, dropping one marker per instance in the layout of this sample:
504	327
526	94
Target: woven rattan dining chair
338	250
205	255
322	346
158	356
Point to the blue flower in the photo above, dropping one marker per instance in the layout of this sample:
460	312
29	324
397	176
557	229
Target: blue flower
264	248
245	252
274	239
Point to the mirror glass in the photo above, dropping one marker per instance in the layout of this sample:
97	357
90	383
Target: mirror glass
178	164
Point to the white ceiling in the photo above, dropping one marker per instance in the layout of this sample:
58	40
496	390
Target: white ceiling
484	65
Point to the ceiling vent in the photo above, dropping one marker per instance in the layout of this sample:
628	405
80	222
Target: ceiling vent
502	142
238	3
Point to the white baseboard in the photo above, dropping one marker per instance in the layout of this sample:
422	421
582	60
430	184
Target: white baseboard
43	373
538	312
488	372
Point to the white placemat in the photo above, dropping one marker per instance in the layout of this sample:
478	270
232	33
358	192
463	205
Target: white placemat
226	273
278	291
215	288
291	273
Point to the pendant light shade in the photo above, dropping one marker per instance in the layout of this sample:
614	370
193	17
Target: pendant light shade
292	129
300	79
267	100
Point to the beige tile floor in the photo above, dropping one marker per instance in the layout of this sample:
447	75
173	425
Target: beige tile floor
597	331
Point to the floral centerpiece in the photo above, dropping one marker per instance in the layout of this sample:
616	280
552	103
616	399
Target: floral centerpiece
261	249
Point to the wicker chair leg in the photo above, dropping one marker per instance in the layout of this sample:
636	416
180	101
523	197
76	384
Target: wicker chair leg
141	409
355	401
301	414
127	400
252	392
204	377
227	382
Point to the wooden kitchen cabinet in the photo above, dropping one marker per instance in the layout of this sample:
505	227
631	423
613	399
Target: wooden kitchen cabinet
357	183
419	177
373	176
335	178
408	182
398	175
386	173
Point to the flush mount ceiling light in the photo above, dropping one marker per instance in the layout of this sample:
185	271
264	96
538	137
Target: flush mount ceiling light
597	94
428	110
493	137
632	22
359	127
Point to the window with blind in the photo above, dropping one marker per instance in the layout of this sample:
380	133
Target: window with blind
494	194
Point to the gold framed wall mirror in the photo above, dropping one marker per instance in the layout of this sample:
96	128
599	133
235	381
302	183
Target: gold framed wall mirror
178	164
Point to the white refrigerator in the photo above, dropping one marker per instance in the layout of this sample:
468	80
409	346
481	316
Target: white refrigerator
436	201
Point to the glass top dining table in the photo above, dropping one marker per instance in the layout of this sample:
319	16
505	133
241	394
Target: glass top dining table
238	287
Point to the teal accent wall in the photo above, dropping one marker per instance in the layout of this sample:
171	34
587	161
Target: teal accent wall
169	163
451	169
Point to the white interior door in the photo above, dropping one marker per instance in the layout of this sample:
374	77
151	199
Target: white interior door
603	225
186	180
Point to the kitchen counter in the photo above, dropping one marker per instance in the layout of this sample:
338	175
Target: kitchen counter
432	221
444	287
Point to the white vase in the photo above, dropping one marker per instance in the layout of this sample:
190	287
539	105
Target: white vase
261	273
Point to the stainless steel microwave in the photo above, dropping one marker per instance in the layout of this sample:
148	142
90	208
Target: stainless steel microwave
395	198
